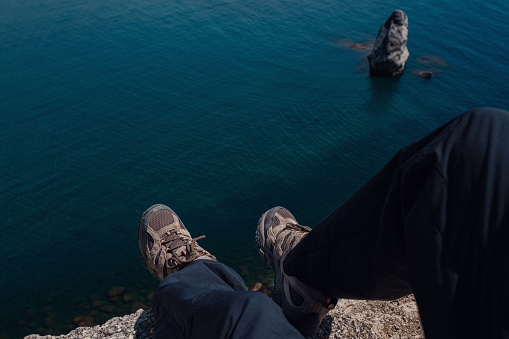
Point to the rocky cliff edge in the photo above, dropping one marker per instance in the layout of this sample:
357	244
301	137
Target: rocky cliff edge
349	319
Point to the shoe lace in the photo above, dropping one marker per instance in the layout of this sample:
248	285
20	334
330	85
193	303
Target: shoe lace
297	227
171	243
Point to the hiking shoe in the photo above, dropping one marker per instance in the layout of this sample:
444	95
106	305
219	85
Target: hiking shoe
165	244
277	233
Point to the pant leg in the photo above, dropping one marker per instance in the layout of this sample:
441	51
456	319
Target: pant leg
207	299
434	221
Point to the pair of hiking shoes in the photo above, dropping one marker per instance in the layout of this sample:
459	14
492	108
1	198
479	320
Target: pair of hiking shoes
166	246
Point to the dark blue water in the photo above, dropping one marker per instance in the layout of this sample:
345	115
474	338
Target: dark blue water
220	109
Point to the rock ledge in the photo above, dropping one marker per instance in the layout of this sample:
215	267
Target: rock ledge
138	325
349	319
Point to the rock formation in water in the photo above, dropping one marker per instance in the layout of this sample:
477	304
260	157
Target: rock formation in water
390	53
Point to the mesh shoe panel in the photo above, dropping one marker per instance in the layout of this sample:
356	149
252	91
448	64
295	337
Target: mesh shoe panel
165	245
161	219
286	214
297	299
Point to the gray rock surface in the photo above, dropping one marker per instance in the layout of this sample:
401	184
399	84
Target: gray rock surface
390	53
349	319
138	325
372	319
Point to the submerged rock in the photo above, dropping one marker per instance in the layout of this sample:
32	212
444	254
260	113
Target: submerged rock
107	309
138	305
390	53
127	298
117	290
85	321
426	73
358	46
97	304
362	46
433	60
115	298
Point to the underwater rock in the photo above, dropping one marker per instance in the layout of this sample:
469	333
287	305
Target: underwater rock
390	53
426	73
434	60
85	321
137	305
107	309
127	298
358	46
49	321
97	303
243	271
363	46
116	291
94	297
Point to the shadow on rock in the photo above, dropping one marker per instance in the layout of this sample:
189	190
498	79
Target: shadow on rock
325	329
144	326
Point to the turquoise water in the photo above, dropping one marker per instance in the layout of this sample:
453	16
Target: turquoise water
220	109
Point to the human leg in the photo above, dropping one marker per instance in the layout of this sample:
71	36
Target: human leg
198	296
207	299
276	234
434	221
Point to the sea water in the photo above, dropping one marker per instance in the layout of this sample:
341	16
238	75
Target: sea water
220	109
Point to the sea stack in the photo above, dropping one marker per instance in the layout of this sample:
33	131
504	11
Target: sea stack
390	53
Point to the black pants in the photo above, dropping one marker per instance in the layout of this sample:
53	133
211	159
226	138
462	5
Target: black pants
207	299
433	222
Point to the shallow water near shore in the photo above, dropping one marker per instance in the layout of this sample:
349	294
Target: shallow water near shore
220	110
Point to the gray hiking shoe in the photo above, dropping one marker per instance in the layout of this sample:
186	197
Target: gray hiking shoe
304	307
165	244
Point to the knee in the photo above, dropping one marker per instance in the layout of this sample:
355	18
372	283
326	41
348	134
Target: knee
485	114
481	127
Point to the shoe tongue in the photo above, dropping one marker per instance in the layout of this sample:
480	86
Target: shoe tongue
175	243
181	251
